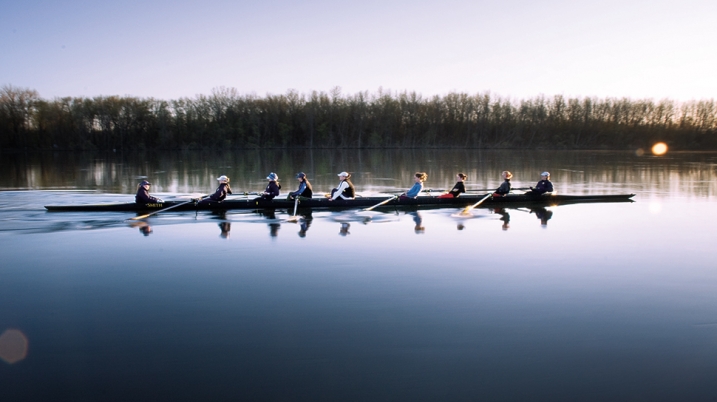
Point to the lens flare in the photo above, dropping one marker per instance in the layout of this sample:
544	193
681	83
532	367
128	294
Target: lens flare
13	346
659	149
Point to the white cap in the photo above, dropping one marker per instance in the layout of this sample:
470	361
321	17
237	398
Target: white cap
222	178
343	174
545	174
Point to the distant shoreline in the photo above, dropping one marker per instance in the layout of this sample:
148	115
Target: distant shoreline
227	120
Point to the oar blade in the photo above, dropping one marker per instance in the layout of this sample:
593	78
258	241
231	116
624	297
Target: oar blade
137	218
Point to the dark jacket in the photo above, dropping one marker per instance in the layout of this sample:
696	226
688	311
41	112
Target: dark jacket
143	196
543	186
459	188
221	192
273	189
304	190
504	188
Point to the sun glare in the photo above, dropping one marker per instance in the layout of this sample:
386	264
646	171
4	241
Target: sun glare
659	149
13	346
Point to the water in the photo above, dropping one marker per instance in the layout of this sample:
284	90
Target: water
593	302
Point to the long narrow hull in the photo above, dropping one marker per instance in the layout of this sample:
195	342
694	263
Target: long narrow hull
511	200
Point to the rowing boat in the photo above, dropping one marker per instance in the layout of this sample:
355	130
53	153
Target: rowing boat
510	200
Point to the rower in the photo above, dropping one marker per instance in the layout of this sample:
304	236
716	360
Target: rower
272	189
505	187
304	190
345	189
413	192
543	186
220	193
459	188
143	196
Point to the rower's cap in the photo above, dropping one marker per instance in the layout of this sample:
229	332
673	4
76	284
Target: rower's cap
506	174
343	174
545	174
272	176
300	175
145	182
222	178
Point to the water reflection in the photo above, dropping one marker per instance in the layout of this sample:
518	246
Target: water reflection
274	225
305	222
344	231
224	226
418	220
543	214
574	172
144	227
504	216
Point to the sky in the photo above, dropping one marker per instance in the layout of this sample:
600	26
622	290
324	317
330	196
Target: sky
517	49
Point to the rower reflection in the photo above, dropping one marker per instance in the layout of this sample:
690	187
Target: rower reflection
543	214
144	227
305	223
418	220
274	226
225	227
504	216
345	229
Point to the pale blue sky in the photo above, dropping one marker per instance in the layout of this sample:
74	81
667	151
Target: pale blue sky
514	48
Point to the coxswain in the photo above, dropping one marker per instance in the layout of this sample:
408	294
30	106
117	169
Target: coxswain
143	196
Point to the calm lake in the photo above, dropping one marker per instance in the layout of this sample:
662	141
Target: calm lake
588	302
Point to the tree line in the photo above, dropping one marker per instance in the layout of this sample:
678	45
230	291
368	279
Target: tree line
229	120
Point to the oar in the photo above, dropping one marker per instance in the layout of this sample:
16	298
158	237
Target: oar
470	207
294	218
244	194
136	218
381	203
473	190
